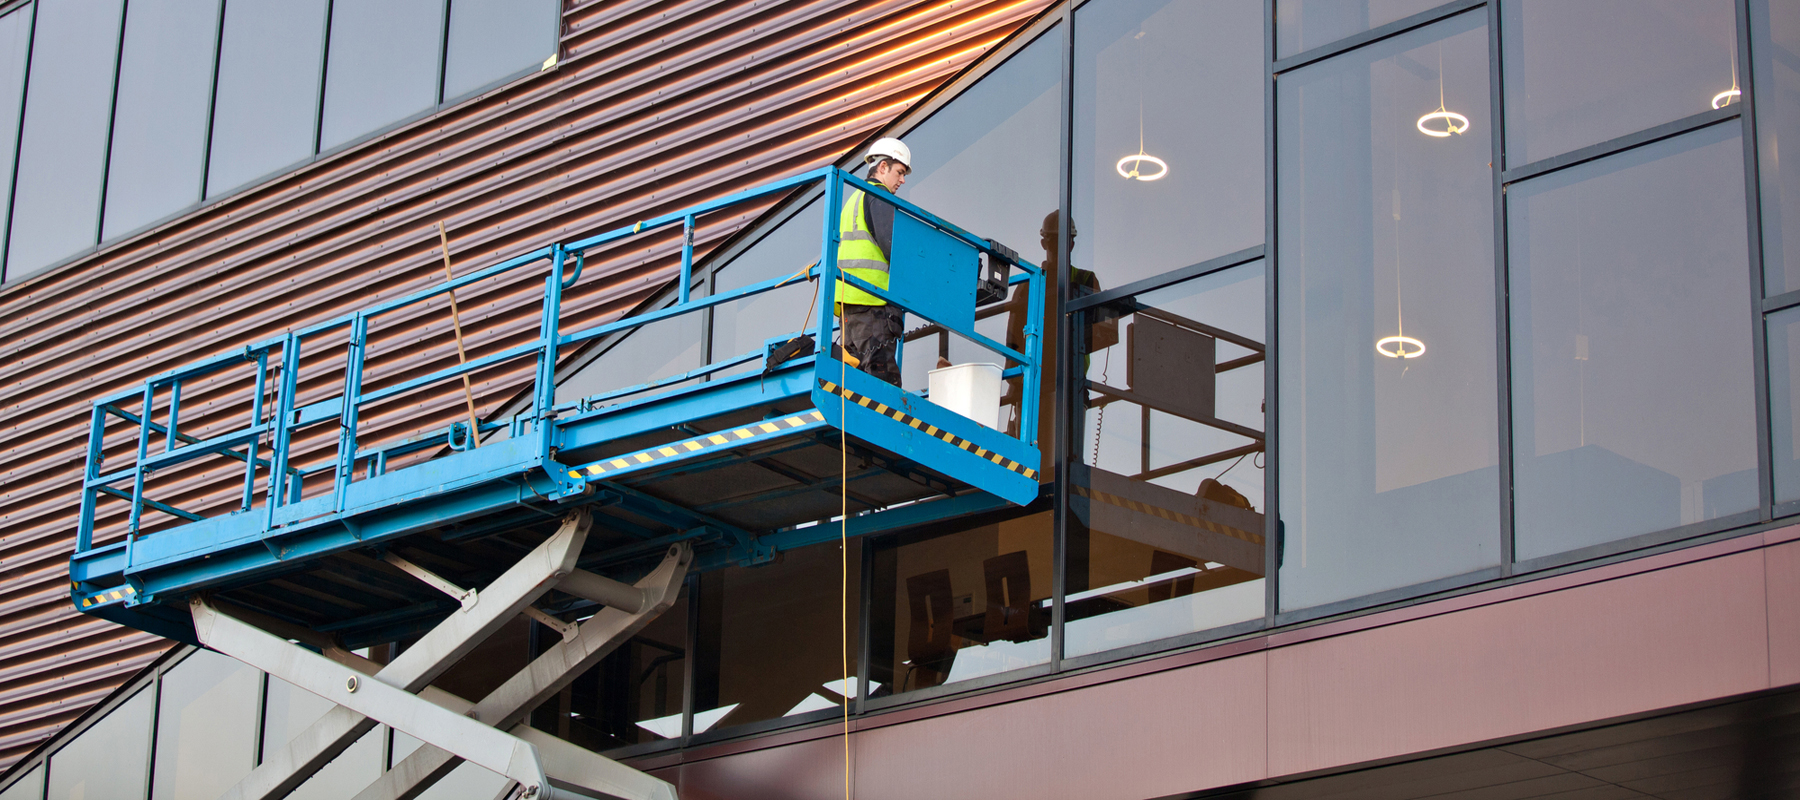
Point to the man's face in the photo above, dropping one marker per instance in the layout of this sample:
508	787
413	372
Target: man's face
1047	235
891	174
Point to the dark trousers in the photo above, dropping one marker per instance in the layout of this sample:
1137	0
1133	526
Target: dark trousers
870	333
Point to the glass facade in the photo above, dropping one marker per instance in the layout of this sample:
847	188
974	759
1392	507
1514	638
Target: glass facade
777	641
109	759
62	139
466	782
636	695
955	607
266	106
1445	367
192	727
287	711
382	65
1385	260
15	48
1002	131
29	786
1775	59
491	40
1633	398
1343	334
1658	61
1301	25
1166	530
159	117
1162	179
205	727
1784	405
742	326
121	118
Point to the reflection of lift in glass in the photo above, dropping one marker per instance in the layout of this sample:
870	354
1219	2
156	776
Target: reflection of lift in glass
1202	540
607	500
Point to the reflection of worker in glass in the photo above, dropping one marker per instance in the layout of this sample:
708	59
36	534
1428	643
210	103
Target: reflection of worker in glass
865	236
1099	335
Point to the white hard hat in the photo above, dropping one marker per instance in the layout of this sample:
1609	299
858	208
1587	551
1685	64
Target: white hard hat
889	148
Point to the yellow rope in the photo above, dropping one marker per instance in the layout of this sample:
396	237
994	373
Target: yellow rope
844	559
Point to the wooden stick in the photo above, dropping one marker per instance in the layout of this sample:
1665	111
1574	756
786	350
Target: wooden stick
461	354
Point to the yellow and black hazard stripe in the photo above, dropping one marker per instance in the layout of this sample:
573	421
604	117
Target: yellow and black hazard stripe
110	595
1172	516
633	461
935	432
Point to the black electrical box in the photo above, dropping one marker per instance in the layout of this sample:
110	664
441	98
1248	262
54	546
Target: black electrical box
994	270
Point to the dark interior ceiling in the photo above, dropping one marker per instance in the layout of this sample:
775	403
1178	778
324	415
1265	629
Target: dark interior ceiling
1748	748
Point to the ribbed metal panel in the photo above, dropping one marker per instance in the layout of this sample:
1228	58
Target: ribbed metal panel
655	106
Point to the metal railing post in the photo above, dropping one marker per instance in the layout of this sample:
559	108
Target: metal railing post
284	411
549	328
174	414
828	274
90	495
1032	380
256	420
353	372
687	256
143	453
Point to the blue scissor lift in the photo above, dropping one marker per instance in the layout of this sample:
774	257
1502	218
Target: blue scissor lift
602	503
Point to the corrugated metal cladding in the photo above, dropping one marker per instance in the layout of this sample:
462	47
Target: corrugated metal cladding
655	106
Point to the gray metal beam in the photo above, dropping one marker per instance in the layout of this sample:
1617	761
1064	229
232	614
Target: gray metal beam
414	669
570	767
469	739
603	590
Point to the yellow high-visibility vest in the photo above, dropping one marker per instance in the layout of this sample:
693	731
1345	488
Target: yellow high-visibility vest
858	254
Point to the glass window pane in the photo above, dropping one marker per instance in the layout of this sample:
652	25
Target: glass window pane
111	759
1167	536
62	152
1301	25
1582	73
382	66
466	782
159	125
1631	352
771	641
288	712
632	696
1784	410
998	139
491	39
742	326
1002	322
30	786
15	46
960	606
267	109
1775	49
987	162
1386	300
1136	95
648	353
205	726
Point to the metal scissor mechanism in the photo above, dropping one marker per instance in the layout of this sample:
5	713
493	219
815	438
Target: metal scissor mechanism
491	732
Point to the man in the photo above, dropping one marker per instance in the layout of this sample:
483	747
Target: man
871	327
1101	332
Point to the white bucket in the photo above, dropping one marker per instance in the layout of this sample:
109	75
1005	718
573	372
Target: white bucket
972	390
